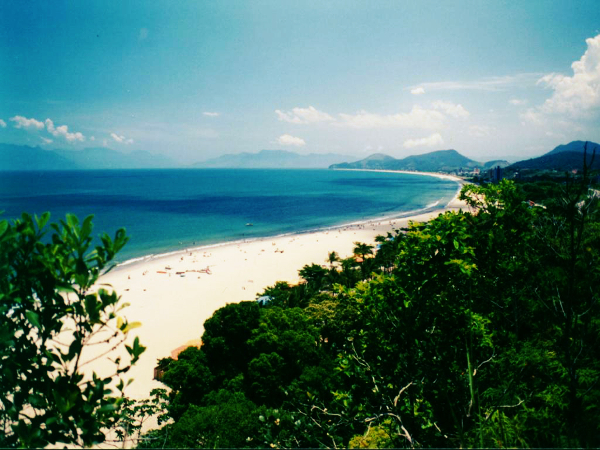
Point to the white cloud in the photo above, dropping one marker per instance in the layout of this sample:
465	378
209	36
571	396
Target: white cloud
430	141
370	148
480	130
453	110
417	91
485	84
532	116
63	131
517	101
2	123
120	139
286	139
580	93
416	118
211	114
47	141
552	134
24	122
303	115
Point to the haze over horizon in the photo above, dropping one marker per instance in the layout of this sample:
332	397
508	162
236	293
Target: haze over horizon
196	80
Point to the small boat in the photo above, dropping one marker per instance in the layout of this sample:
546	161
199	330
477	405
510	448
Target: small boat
249	224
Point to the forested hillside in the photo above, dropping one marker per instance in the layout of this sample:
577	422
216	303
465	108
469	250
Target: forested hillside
437	161
477	329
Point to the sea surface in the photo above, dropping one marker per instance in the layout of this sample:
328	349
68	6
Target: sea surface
172	210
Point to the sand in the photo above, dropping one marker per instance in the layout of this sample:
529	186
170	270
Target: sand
172	298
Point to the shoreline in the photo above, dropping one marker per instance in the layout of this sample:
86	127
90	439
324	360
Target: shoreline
172	295
444	176
435	207
393	216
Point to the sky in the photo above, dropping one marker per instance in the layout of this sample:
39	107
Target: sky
193	80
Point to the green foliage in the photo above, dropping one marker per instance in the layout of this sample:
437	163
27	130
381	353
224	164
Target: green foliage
225	336
49	315
227	420
315	277
379	436
134	413
472	330
189	378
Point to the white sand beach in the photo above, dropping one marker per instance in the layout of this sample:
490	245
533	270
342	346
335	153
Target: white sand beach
173	295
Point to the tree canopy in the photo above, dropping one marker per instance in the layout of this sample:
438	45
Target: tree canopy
474	329
478	328
49	314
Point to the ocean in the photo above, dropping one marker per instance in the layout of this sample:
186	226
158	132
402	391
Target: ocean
172	210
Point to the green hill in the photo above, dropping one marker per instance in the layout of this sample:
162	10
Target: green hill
373	162
563	158
437	161
575	146
495	163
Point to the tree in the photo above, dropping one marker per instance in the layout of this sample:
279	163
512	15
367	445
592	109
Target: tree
49	314
134	413
571	238
316	277
481	330
333	258
224	342
363	250
350	273
189	378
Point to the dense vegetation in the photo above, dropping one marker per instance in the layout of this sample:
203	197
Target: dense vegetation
437	161
557	161
476	329
49	316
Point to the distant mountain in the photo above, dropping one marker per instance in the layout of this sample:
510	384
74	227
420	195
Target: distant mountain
575	146
438	161
105	158
22	157
563	158
272	159
373	162
495	163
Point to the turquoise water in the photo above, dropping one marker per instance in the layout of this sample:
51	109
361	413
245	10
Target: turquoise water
170	210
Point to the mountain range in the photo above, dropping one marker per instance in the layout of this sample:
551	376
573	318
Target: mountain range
23	157
437	161
564	158
273	159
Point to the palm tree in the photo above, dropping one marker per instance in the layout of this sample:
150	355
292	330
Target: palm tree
333	258
386	252
348	271
362	250
315	276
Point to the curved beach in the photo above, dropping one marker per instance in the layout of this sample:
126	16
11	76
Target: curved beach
173	295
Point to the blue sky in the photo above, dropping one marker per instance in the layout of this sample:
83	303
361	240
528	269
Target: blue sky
196	79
